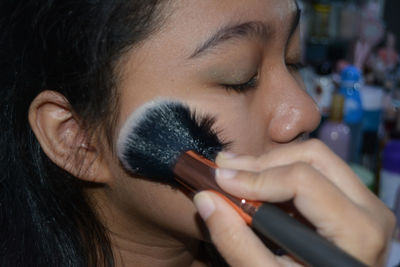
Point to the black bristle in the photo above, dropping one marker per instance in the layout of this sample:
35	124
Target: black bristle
164	130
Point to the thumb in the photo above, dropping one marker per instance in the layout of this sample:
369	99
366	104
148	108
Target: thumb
236	242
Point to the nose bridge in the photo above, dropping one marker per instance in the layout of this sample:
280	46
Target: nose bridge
290	110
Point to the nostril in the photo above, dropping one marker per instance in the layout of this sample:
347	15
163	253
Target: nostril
301	137
297	139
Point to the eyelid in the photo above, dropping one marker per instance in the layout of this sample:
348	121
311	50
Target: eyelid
243	87
295	66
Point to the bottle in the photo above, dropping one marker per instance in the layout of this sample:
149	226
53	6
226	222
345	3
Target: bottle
372	99
324	88
334	133
321	19
349	20
353	110
389	183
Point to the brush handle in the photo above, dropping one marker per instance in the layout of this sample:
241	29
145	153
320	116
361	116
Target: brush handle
197	173
299	240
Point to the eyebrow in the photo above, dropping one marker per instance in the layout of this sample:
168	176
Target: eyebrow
245	30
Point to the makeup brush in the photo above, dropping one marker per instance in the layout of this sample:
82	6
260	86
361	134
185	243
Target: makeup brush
166	142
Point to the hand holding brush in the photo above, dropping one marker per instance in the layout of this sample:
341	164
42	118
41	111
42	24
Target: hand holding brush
276	177
165	142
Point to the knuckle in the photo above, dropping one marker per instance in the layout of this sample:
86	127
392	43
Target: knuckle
378	236
222	232
380	230
259	163
316	145
373	236
391	220
301	173
227	238
256	184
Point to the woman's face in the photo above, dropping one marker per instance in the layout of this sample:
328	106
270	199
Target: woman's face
232	59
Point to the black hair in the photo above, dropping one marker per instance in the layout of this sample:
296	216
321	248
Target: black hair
72	47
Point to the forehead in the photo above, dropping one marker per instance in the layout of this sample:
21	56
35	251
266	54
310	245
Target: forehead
213	10
198	19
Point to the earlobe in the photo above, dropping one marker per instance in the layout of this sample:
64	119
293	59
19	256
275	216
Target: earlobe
64	140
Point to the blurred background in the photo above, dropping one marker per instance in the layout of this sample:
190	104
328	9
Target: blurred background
351	68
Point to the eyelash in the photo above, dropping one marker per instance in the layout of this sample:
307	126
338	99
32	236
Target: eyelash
243	87
252	83
295	66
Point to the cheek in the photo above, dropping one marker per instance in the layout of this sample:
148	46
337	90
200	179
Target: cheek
237	122
246	135
151	206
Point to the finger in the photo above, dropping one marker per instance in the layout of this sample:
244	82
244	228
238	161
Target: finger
297	181
312	152
316	154
375	222
231	161
288	261
334	215
236	242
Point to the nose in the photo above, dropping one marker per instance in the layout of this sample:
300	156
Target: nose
288	110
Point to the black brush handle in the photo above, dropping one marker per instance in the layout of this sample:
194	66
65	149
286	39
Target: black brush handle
299	240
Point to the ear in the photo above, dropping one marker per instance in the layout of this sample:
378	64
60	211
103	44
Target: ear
64	140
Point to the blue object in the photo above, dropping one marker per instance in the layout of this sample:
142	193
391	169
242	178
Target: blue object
350	82
353	109
371	120
371	97
391	156
350	74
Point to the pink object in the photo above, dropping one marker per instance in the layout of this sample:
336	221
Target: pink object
371	33
388	55
336	135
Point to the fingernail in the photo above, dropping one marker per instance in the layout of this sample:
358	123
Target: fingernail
226	155
225	173
204	204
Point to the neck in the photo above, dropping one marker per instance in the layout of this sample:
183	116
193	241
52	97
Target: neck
140	242
132	252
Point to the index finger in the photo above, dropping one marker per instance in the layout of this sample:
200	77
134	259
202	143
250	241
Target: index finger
312	152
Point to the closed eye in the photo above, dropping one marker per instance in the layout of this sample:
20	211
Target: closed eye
295	66
243	87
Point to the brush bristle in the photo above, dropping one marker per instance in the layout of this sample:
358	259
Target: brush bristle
156	134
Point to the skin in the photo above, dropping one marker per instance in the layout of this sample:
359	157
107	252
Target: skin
154	225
